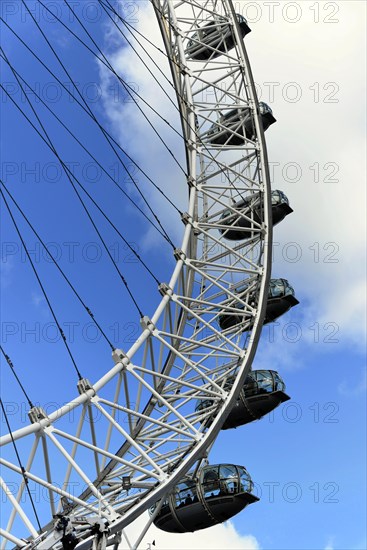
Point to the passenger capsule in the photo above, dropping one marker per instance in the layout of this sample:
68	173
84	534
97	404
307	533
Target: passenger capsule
239	226
281	299
262	392
214	39
238	124
218	493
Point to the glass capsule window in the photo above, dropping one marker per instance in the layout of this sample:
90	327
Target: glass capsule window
240	205
225	219
210	482
242	286
260	381
276	288
201	34
288	289
275	198
278	382
257	382
209	31
225	479
228	213
264	381
257	378
228	383
214	31
203	404
165	506
240	18
232	116
185	493
278	197
250	386
264	108
283	197
229	482
231	120
246	484
279	288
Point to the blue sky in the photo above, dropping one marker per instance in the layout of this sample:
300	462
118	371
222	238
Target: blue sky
308	458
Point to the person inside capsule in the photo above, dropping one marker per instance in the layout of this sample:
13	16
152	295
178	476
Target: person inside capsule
210	483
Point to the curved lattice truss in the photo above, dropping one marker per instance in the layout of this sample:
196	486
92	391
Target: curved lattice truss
136	431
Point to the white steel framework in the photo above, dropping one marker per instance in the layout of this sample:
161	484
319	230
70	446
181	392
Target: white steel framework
149	431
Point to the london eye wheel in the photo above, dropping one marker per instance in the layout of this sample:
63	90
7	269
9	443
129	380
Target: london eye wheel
180	381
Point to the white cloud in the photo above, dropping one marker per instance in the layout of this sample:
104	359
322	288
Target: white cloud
328	221
220	537
37	299
135	134
6	272
347	389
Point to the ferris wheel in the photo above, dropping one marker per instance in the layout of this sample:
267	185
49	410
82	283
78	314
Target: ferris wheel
189	373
